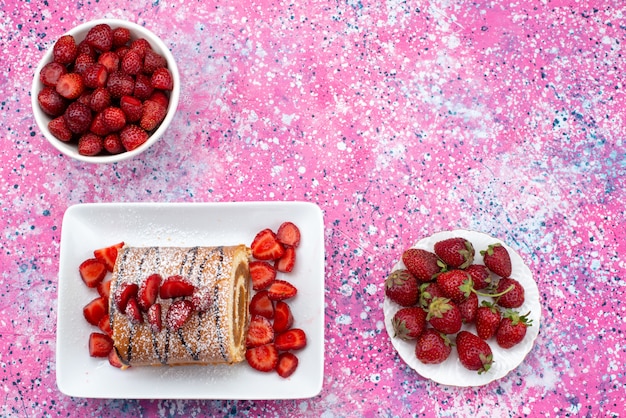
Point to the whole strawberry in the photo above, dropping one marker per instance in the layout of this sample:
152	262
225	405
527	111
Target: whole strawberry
444	316
512	293
474	353
469	308
456	252
497	259
432	347
480	276
429	291
408	323
488	318
512	329
424	265
455	284
402	288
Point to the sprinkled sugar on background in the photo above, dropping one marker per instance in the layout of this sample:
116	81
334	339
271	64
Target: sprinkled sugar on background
399	120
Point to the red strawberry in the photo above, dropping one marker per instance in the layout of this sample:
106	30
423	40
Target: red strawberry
292	339
432	347
58	127
176	286
140	46
456	252
100	99
287	364
262	274
402	288
113	144
132	137
115	361
90	144
511	291
468	308
132	63
51	102
133	311
263	358
122	50
121	36
152	60
108	255
424	265
114	118
50	73
143	88
512	329
98	126
474	353
120	84
201	300
409	323
105	325
160	97
70	85
124	293
162	79
154	318
455	284
152	115
288	234
281	290
287	261
260	332
85	49
95	76
265	246
497	259
110	60
283	318
148	291
104	289
95	310
78	117
83	61
262	305
65	50
178	313
92	271
480	276
487	320
100	37
100	345
427	292
132	108
444	316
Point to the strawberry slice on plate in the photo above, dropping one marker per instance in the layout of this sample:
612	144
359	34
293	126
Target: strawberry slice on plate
263	358
100	345
287	261
123	294
260	332
261	305
178	313
289	234
105	325
154	317
148	291
108	255
293	339
281	290
283	318
176	286
133	311
104	289
92	271
265	246
95	310
287	364
262	274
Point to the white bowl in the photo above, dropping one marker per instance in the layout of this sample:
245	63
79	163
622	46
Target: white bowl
79	33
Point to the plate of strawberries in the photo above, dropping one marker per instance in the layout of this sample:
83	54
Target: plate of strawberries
462	308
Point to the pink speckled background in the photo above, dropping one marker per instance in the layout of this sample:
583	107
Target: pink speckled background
399	119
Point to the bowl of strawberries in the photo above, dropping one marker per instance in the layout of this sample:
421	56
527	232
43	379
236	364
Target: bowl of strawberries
105	91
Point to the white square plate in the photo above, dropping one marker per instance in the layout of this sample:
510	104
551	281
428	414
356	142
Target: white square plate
87	227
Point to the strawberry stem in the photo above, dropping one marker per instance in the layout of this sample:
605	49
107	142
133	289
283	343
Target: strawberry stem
495	295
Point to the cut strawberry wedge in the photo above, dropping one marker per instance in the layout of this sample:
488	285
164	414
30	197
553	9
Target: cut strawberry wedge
283	318
287	261
287	364
108	255
95	310
115	361
178	313
123	294
260	332
154	318
92	271
104	289
105	325
262	305
100	345
289	234
281	290
262	274
293	339
265	246
176	286
148	291
133	311
263	358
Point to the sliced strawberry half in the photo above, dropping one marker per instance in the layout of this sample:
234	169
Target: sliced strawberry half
105	325
287	261
148	291
260	332
263	358
281	290
133	311
287	364
265	246
115	361
108	255
95	310
262	274
100	345
178	313
123	294
283	318
176	286
104	289
289	234
293	339
92	271
262	305
154	317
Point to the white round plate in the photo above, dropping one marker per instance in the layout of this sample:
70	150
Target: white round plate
451	372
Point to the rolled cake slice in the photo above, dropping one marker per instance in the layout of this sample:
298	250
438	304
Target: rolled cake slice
212	336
